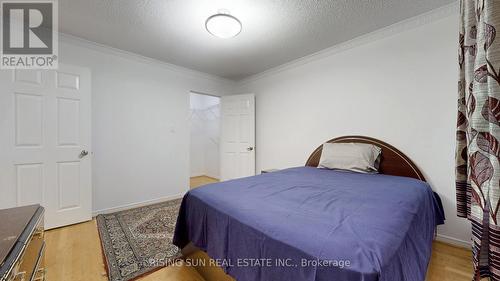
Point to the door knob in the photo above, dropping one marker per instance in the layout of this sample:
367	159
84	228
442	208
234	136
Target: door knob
83	154
249	148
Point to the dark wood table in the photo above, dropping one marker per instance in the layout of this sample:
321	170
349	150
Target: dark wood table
21	235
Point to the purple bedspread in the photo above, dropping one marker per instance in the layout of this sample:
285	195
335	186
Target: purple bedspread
306	224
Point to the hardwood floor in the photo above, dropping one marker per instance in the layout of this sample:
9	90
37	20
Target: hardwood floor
450	263
201	180
74	253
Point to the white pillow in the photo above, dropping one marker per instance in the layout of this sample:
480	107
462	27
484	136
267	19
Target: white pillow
357	157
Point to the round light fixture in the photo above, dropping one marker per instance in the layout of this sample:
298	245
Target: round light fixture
223	25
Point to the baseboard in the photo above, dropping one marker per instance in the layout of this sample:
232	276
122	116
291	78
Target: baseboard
212	176
135	205
453	241
205	176
196	175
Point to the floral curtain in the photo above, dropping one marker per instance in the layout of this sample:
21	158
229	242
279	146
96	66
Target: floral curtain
478	132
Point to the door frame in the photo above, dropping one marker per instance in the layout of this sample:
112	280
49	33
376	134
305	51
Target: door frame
189	126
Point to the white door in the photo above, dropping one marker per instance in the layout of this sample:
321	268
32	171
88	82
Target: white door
44	142
237	136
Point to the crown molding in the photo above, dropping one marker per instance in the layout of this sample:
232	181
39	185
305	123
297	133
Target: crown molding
399	27
408	24
74	40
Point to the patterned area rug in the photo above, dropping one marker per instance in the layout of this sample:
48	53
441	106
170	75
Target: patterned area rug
138	241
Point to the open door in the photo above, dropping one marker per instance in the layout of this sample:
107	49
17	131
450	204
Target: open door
237	142
45	142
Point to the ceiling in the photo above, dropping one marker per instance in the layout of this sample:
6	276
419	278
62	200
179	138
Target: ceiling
274	31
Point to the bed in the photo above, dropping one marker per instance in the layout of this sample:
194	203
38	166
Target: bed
310	224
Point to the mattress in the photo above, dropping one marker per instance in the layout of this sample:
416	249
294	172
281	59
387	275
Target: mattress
313	224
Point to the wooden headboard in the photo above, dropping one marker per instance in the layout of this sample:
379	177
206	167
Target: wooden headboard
393	162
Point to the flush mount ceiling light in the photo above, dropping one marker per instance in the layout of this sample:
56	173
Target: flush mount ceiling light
223	25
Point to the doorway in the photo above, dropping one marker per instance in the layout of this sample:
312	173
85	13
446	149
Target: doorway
204	121
46	137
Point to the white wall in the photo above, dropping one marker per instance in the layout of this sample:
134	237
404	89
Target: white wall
398	85
205	133
140	131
